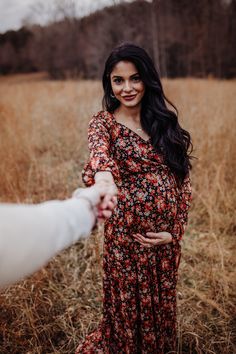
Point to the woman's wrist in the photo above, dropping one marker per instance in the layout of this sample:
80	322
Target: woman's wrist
104	176
104	182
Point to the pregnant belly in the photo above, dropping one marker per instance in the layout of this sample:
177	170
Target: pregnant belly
148	202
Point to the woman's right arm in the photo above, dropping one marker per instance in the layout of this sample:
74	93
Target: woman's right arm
102	168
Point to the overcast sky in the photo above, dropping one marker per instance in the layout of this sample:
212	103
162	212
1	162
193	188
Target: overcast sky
13	12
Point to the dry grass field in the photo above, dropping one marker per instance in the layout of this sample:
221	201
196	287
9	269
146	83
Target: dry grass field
43	146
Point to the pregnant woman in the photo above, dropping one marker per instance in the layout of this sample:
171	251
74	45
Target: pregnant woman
137	144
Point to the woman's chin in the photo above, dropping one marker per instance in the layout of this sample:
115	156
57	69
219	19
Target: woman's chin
130	104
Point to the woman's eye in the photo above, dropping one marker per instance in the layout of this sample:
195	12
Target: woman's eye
117	80
136	78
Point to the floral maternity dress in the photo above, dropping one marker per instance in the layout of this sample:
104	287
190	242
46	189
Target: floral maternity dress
139	285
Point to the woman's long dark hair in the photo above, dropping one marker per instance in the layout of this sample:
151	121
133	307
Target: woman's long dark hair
159	122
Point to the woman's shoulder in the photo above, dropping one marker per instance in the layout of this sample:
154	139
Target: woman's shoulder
103	114
103	117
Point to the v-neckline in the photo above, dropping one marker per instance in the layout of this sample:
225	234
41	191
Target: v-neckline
131	130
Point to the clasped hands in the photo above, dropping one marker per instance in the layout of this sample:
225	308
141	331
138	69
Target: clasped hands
101	197
101	200
105	192
108	199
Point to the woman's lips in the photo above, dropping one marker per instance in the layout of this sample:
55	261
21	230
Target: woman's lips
129	98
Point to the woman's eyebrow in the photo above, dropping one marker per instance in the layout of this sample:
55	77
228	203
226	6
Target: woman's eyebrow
118	76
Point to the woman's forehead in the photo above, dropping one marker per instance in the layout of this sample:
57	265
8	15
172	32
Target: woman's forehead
124	68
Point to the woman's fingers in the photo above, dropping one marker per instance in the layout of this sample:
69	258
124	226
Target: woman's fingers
144	241
103	215
114	200
154	235
153	239
141	241
106	213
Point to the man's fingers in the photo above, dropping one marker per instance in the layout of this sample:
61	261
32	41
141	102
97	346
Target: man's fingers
110	205
108	198
105	201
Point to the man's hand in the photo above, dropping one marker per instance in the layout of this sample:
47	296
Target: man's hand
151	239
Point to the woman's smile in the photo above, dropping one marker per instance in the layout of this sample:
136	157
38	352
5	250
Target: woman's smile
127	85
129	98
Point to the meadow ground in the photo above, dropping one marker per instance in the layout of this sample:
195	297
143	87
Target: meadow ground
43	147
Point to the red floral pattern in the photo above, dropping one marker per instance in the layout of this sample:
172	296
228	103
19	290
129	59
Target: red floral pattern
139	300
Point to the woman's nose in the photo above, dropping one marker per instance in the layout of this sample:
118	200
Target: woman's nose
127	86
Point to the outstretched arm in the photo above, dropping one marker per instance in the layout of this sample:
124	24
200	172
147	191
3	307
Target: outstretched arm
31	234
101	166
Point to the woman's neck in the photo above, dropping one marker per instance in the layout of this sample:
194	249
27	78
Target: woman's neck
129	113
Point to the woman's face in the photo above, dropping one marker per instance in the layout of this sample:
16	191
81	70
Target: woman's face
126	84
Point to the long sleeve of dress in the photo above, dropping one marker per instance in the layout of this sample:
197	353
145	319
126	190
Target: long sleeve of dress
184	202
31	234
100	158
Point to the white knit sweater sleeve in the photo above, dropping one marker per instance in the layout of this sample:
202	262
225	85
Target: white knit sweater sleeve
31	234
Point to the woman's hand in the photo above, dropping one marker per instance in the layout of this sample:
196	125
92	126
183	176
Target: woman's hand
153	238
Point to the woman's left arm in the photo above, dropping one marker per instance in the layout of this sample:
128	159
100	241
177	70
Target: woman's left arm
184	202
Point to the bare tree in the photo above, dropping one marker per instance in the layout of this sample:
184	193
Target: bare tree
185	38
154	28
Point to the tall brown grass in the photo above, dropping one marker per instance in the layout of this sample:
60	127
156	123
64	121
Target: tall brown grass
43	147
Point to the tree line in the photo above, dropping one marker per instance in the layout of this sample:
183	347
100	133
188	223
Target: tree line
185	38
